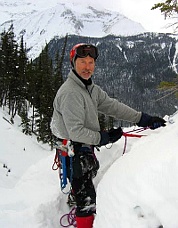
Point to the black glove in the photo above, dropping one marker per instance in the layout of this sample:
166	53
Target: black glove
110	136
152	122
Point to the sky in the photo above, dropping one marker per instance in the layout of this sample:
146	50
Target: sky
137	189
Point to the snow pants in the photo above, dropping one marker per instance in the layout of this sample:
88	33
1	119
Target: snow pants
84	169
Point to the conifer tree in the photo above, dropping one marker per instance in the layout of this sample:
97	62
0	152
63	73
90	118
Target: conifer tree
167	7
29	84
22	70
9	70
31	91
2	86
58	64
3	73
25	122
45	95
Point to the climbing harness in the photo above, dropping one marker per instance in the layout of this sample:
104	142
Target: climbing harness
66	149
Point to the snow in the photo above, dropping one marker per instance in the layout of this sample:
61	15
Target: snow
136	190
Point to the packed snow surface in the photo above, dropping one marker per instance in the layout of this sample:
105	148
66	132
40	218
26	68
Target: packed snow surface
137	189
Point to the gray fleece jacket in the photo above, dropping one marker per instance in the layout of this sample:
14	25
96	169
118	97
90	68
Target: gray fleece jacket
76	108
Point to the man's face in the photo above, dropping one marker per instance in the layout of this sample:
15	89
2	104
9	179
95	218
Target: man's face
85	67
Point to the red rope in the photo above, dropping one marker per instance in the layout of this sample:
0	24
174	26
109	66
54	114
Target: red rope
57	164
129	134
132	135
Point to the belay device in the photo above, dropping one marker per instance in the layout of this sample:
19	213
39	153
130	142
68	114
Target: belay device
62	151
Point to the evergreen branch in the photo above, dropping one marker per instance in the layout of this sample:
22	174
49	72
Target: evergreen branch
172	92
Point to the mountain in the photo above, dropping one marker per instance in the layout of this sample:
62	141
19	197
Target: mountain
41	21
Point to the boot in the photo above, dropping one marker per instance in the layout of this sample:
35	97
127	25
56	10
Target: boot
85	222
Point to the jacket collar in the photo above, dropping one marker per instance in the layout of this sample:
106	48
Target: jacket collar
82	82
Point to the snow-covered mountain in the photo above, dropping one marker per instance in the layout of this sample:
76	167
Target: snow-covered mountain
41	21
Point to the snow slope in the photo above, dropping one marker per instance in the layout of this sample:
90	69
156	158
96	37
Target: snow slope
136	190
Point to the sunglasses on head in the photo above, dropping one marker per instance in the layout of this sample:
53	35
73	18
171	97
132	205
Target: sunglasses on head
85	50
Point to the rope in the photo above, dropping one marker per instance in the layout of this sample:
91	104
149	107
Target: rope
129	134
70	218
57	164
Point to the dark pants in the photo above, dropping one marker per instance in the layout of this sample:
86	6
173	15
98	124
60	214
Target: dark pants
84	168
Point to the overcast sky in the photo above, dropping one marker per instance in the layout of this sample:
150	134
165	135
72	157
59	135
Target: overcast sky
137	10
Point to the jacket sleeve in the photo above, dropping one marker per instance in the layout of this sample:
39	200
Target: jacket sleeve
116	109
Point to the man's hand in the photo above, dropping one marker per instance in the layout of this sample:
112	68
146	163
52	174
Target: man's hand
152	122
110	136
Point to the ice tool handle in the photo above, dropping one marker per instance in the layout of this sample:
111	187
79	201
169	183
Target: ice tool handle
130	134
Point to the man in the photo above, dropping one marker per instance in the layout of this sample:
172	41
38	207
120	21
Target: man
75	117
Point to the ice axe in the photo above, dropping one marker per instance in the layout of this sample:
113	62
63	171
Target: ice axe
133	135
